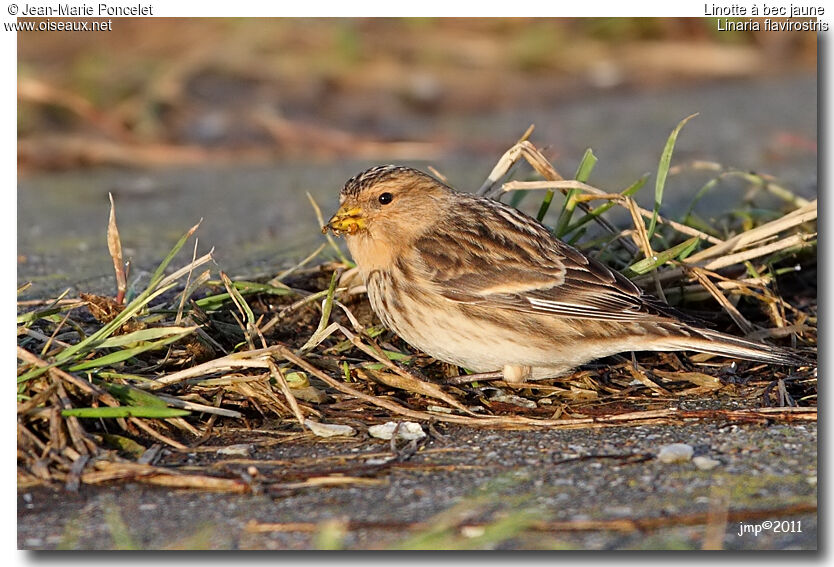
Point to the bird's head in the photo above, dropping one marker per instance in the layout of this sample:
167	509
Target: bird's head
388	204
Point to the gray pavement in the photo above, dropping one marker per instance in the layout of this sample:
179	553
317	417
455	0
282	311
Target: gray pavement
470	476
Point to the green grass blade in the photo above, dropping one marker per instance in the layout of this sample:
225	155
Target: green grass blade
663	171
238	299
124	354
144	335
93	340
703	225
397	355
573	240
325	314
701	192
628	192
157	275
133	396
548	198
52	309
583	173
111	375
517	197
34	373
125	411
648	264
43	313
211	302
586	166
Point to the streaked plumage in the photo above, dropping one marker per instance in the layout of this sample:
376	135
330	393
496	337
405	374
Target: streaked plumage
476	283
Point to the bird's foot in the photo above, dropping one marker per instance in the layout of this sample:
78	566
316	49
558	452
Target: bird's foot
517	374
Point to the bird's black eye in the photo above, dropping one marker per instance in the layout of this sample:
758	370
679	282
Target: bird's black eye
386	198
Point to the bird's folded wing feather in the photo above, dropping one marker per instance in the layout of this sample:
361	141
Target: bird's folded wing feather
532	273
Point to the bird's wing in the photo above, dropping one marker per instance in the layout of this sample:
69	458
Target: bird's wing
517	264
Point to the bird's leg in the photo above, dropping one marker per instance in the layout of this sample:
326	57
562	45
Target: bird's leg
515	374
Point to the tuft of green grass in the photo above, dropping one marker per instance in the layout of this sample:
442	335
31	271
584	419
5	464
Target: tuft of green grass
663	171
598	211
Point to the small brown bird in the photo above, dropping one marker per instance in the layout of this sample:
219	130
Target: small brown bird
476	283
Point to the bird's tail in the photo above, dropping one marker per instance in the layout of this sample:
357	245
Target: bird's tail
713	342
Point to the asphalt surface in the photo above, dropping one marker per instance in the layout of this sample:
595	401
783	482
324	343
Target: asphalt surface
477	476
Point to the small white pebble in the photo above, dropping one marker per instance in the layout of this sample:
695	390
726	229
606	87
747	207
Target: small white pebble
675	453
514	400
329	429
408	430
242	449
472	531
379	460
705	463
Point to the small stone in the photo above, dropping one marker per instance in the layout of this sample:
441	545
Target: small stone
329	429
675	453
379	461
472	531
514	400
705	463
238	450
408	430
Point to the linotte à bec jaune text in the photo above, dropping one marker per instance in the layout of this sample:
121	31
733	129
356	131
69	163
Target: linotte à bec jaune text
767	11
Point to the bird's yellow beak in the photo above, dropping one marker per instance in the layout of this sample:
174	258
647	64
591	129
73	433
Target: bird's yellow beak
346	220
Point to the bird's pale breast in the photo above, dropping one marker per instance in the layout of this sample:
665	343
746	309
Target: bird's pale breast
480	340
